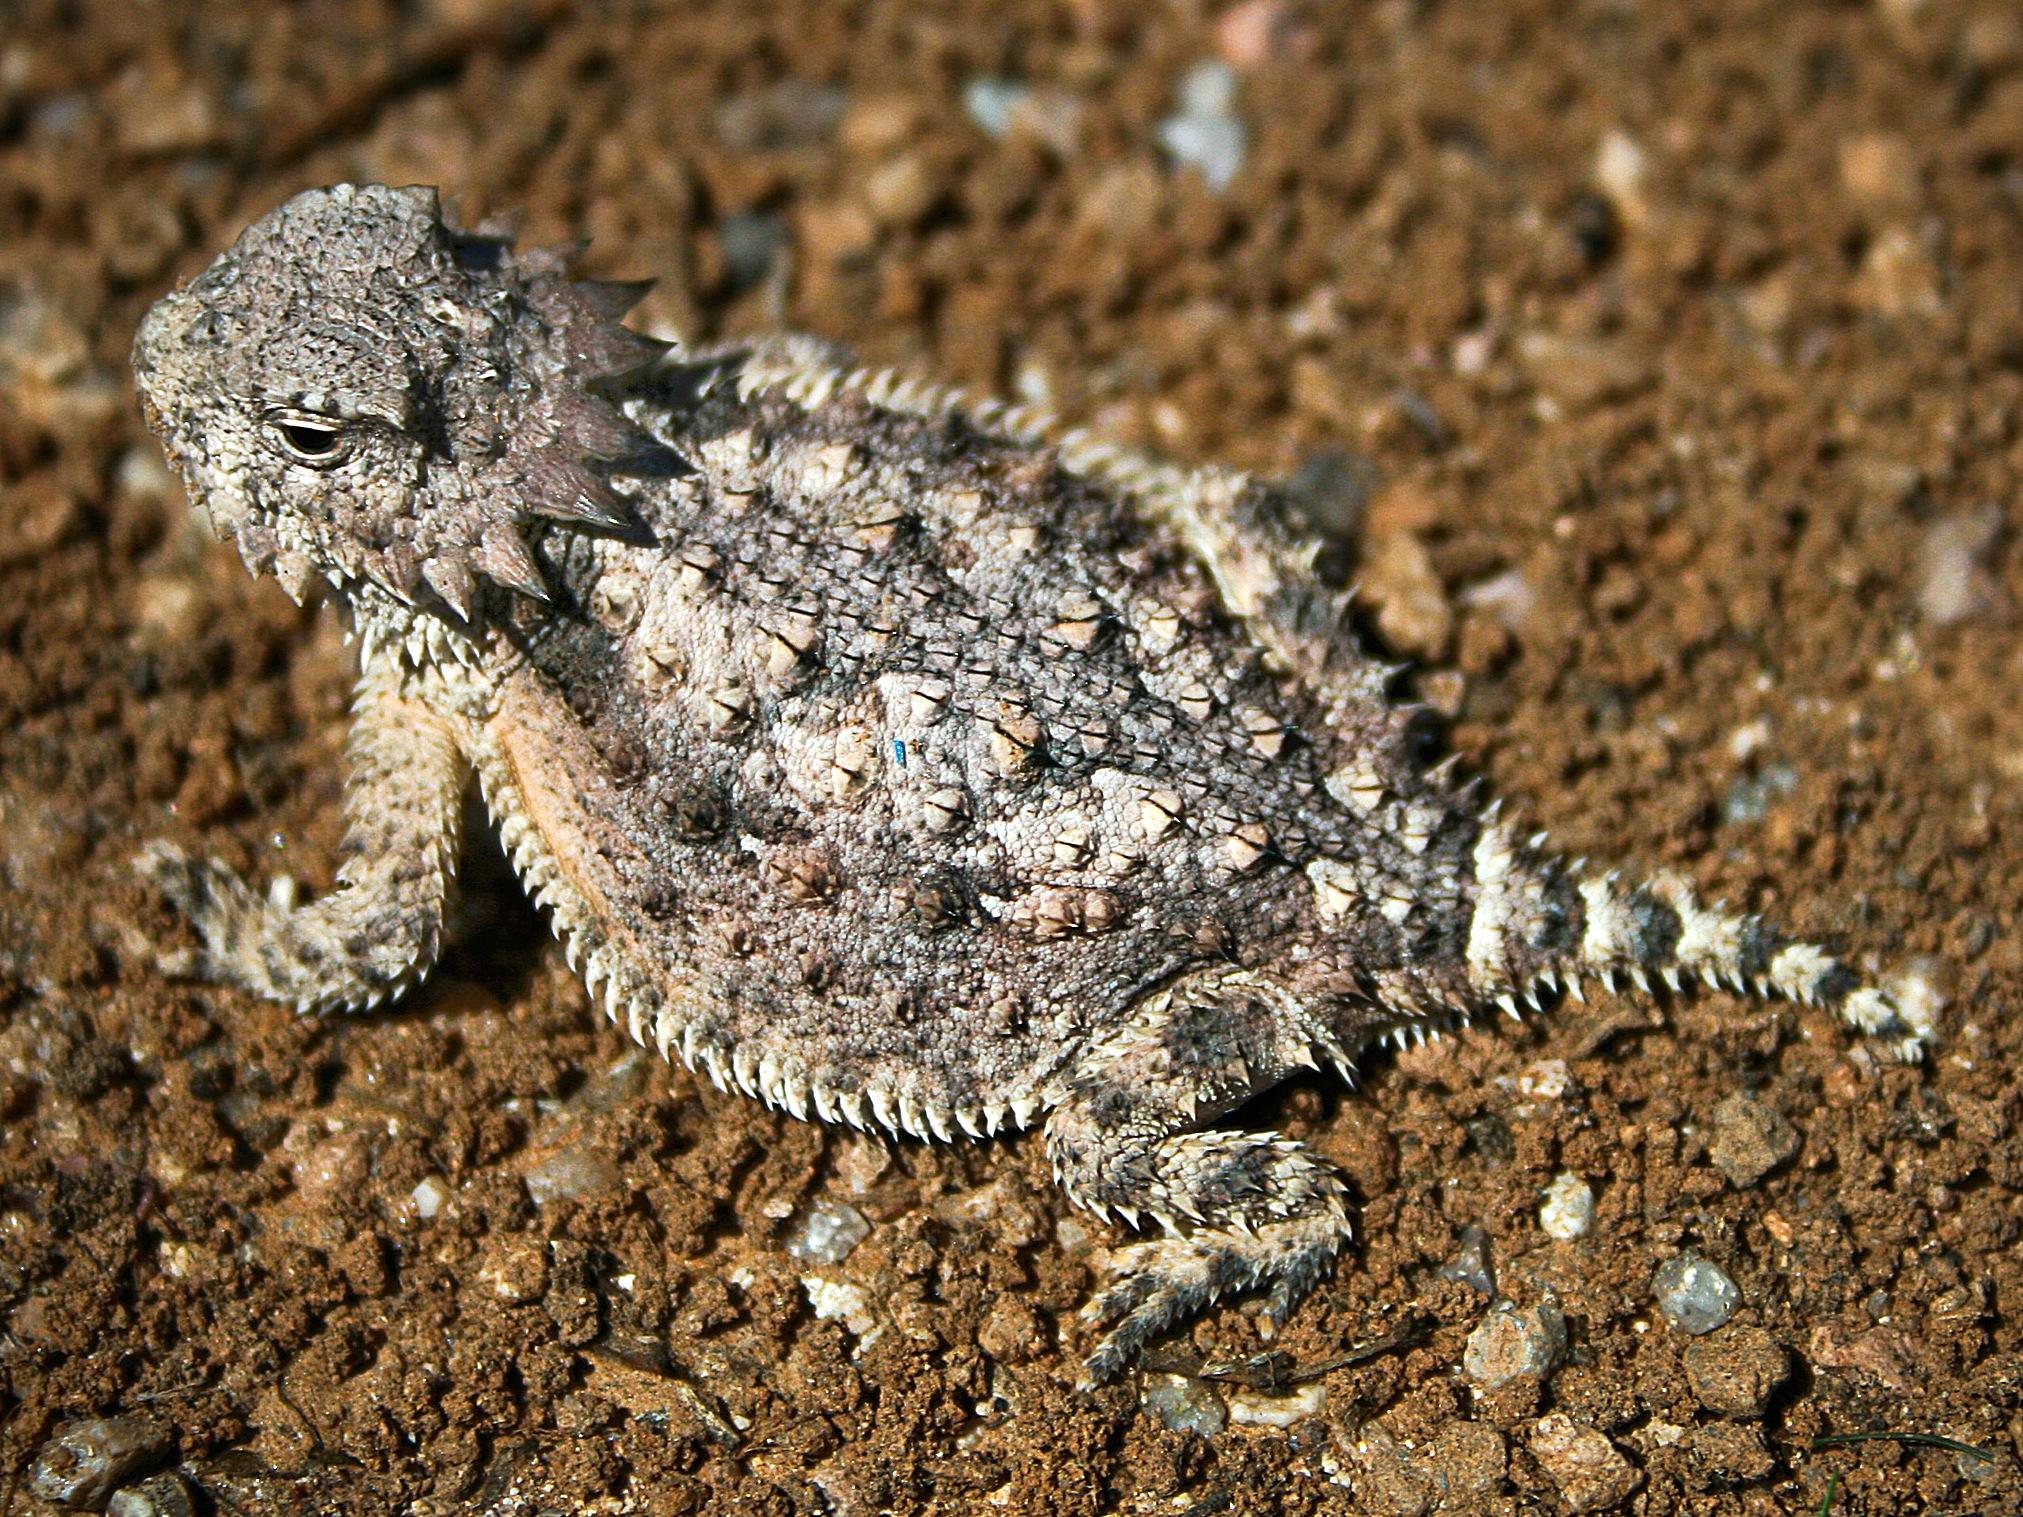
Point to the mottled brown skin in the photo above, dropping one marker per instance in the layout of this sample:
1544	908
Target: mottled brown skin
888	756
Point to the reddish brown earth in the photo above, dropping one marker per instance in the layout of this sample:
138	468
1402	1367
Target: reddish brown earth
1675	354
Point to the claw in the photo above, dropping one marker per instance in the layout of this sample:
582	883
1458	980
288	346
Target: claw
1162	1281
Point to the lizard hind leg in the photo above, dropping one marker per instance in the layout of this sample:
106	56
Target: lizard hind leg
1240	1210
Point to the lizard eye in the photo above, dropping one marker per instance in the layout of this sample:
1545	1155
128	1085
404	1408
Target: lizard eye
309	439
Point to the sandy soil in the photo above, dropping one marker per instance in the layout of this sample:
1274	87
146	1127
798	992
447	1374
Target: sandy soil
1663	368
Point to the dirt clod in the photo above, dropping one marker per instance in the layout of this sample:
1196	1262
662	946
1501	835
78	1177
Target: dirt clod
1734	1372
1750	1140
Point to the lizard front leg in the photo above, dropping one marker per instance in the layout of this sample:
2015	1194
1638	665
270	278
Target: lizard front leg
380	931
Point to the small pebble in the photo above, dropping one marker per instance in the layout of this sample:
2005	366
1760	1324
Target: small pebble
1249	1408
1490	1136
335	1167
1260	32
1751	796
1879	171
1881	1353
1545	1080
86	1461
1387	1481
40	343
1205	134
827	1232
1011	108
1568	1210
1413	611
1623	170
1467	1463
1509	597
901	192
1012	1333
570	1174
1956	581
617	1086
1977	1467
1208	89
793	113
1591	1472
1694	1294
163	1495
1332	487
1748	740
1184	1404
1513	1341
1900	277
1471	1264
1728	1454
1578	373
840	1301
991	102
428	1197
141	473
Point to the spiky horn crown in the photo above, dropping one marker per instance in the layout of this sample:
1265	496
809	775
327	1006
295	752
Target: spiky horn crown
472	386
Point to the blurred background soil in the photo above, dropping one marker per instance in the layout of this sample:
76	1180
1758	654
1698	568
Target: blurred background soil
1661	367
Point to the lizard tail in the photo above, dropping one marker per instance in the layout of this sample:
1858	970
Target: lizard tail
1539	922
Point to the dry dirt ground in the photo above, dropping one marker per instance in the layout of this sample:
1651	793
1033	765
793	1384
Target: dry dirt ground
1663	367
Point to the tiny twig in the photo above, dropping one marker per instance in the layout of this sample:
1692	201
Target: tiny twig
1276	1370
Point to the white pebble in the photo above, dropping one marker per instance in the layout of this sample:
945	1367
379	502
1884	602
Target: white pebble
828	1231
1623	170
1568	1210
1205	133
840	1301
428	1197
1256	1409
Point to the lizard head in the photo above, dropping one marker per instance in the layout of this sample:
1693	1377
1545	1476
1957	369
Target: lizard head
358	391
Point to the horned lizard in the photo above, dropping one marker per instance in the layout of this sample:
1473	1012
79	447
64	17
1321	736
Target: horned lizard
901	760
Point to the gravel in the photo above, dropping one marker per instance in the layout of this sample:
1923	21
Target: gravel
1471	1265
1695	1294
1205	133
1512	1342
1568	1208
827	1232
1249	1408
991	102
1184	1404
163	1495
